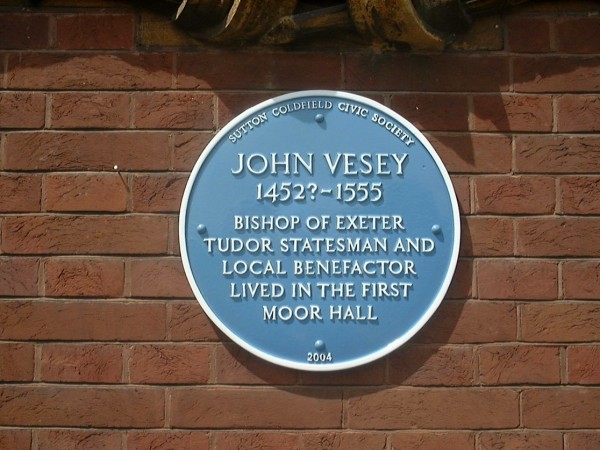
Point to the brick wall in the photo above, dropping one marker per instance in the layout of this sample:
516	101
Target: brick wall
103	112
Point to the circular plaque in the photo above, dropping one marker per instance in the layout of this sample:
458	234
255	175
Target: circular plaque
319	230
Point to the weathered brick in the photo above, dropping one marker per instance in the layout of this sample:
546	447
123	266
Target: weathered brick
89	363
87	151
519	364
580	195
556	74
527	34
521	440
24	31
78	439
581	279
85	234
158	193
90	110
15	439
552	408
370	374
188	147
439	112
20	192
234	365
168	439
90	71
420	440
95	31
419	365
578	35
470	322
22	109
187	322
427	73
160	30
501	279
472	153
174	110
231	104
259	440
515	195
462	190
486	33
405	408
511	113
81	321
81	406
578	113
582	440
342	440
486	236
462	283
85	192
560	322
272	70
78	277
244	408
19	277
558	154
169	364
558	237
583	363
16	364
162	278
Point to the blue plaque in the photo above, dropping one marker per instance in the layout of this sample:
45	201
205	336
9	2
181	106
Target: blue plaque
319	230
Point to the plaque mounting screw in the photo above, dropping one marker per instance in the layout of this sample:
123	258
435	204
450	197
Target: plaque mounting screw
201	229
436	229
319	344
319	118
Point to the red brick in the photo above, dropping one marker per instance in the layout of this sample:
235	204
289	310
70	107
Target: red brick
24	31
426	440
561	408
84	277
168	439
578	35
558	154
485	236
517	279
90	71
458	408
162	278
581	279
22	109
85	192
580	195
187	322
234	365
80	321
169	364
15	439
522	440
188	146
233	104
91	363
558	237
81	406
174	110
259	440
419	365
19	277
462	283
462	190
528	34
511	113
90	110
582	440
95	31
473	153
270	70
245	408
556	74
85	234
343	440
470	322
79	440
560	322
16	364
441	112
158	193
366	375
515	195
428	73
87	151
583	363
519	364
578	113
20	193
